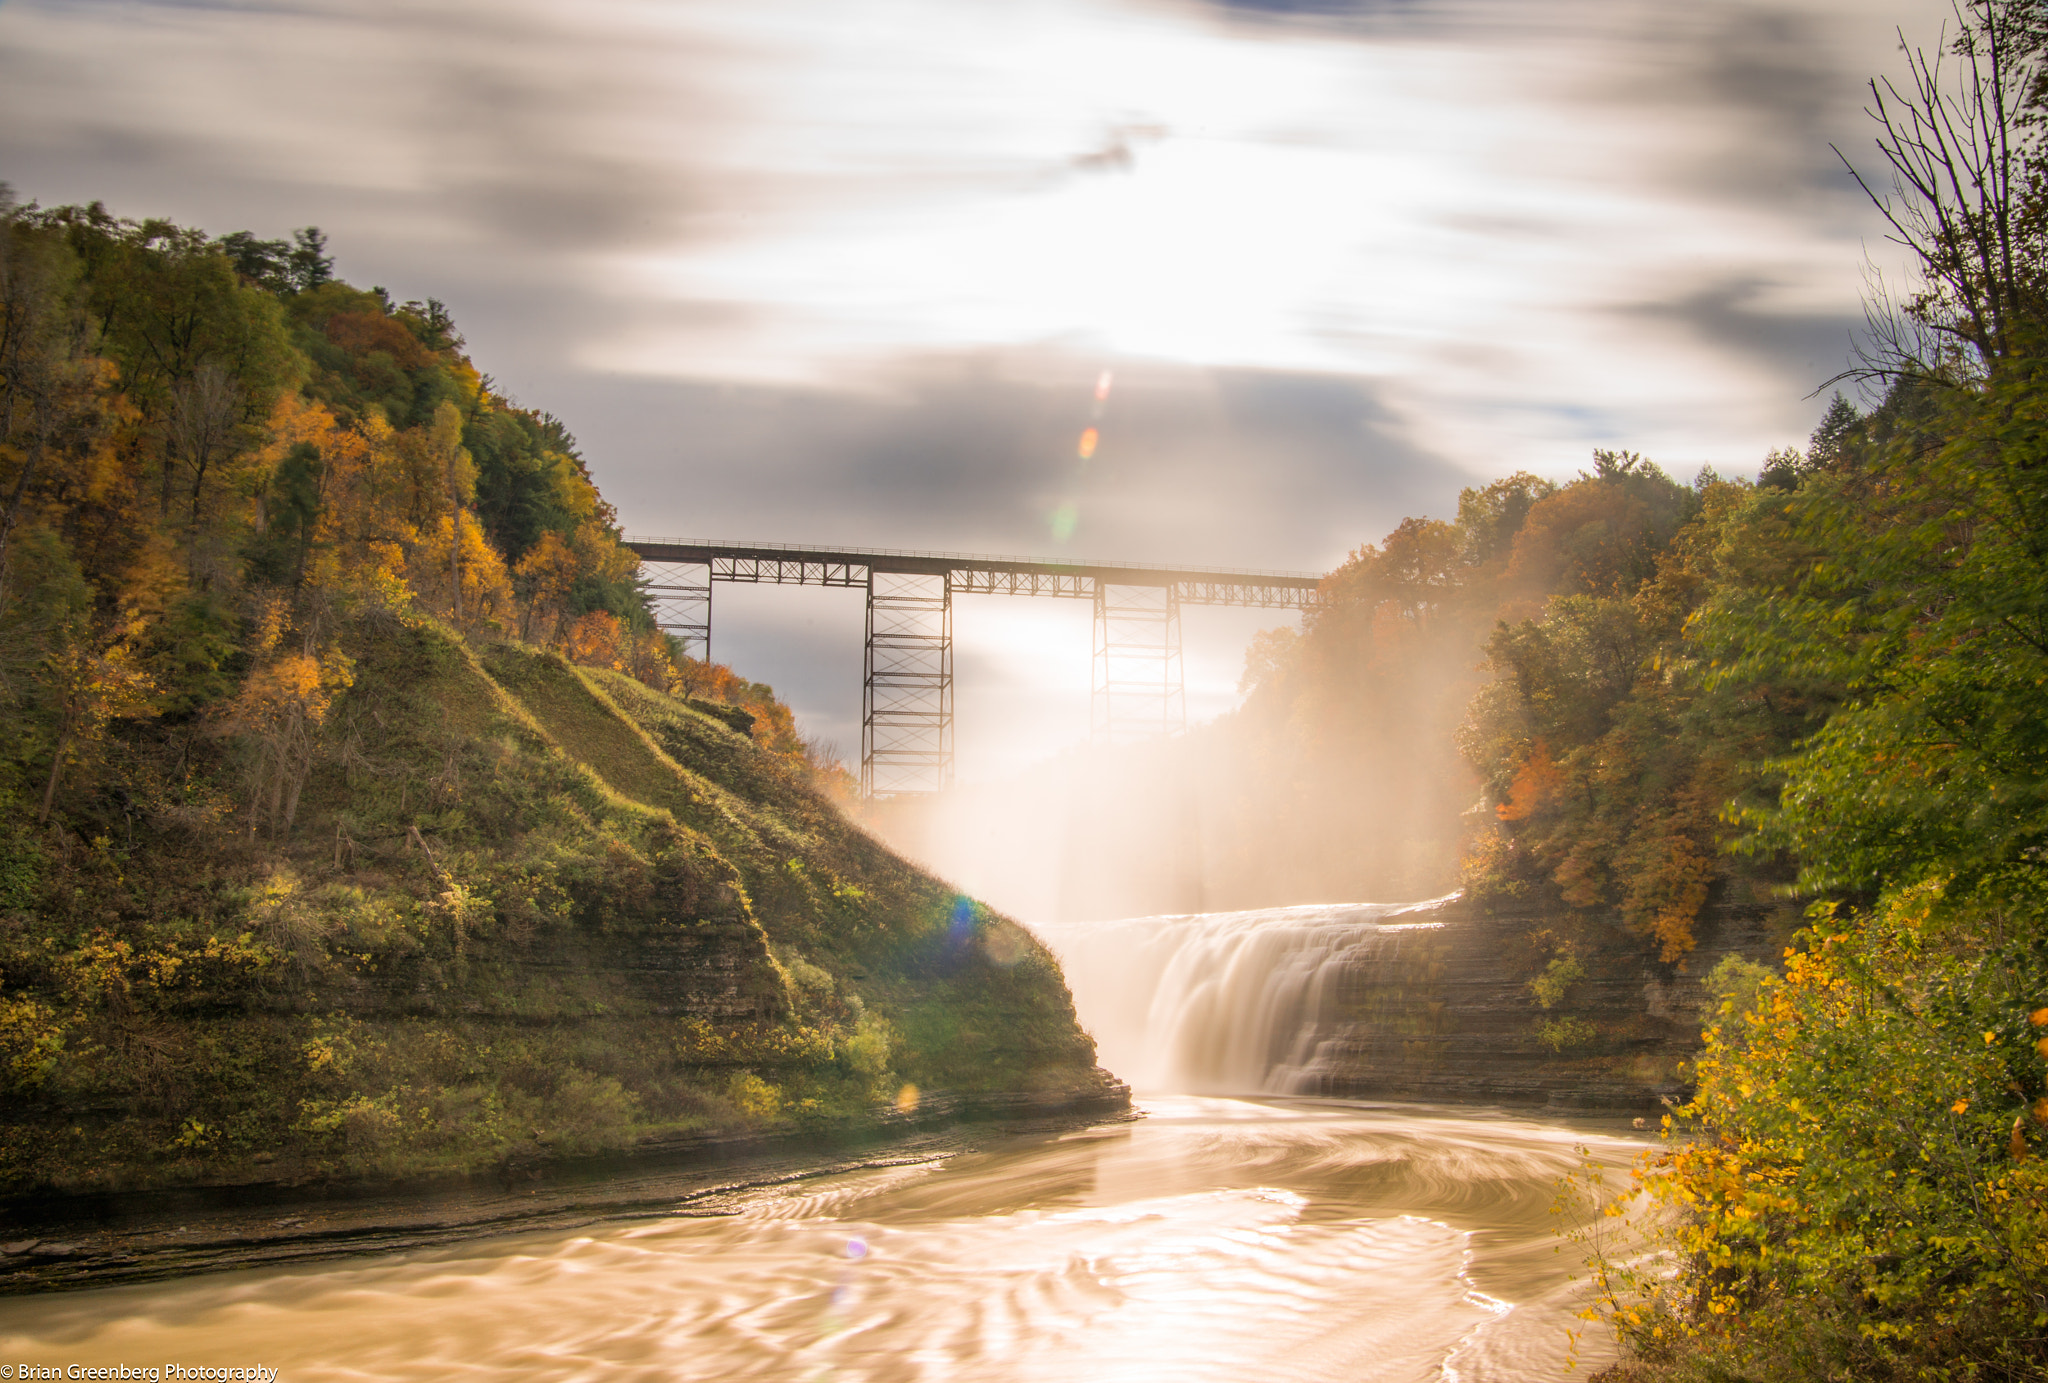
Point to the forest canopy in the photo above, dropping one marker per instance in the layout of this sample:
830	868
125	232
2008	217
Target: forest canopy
212	454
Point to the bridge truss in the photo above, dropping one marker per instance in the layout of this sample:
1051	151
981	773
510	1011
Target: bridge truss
906	741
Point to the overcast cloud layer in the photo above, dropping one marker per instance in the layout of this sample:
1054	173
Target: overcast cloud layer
852	270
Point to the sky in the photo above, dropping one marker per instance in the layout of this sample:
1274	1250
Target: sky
860	272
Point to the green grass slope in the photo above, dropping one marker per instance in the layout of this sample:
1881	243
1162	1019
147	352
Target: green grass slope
526	912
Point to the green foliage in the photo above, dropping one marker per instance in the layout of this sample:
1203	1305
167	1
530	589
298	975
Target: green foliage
1928	607
1566	1034
1863	1195
168	305
1563	971
1606	755
1733	987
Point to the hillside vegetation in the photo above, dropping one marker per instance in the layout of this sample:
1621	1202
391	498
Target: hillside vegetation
353	820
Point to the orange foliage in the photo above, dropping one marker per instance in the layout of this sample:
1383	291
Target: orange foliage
359	333
486	590
1535	787
595	640
1586	539
545	576
1668	875
281	705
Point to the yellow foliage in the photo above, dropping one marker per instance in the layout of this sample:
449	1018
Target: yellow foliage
90	687
546	575
281	705
31	1036
1834	1179
486	591
754	1096
290	690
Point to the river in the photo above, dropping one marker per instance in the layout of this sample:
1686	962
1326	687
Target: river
1236	1232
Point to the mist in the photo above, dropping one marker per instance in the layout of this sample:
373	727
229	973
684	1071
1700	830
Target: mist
1235	814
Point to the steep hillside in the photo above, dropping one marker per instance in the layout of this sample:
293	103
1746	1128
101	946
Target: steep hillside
527	911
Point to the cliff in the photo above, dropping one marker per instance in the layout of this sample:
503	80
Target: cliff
1448	1011
526	913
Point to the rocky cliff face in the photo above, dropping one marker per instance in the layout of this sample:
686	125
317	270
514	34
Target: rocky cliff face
1444	1010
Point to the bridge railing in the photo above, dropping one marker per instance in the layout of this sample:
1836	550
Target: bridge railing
963	561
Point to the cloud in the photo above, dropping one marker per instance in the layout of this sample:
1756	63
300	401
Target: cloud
505	130
826	270
975	453
1735	315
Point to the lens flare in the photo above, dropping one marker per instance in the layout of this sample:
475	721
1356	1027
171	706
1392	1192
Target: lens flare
1065	520
856	1248
1088	440
1102	386
1003	945
906	1100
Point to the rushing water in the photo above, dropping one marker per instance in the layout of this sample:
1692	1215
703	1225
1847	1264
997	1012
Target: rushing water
1217	1238
1222	1002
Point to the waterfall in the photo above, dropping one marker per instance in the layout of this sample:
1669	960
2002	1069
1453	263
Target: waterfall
1221	1002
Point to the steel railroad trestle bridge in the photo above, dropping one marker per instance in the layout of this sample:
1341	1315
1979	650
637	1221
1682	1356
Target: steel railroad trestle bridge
906	731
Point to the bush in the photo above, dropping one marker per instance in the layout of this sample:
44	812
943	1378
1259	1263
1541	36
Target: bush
1859	1191
1564	1034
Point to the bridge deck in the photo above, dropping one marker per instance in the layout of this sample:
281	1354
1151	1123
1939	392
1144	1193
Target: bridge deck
969	573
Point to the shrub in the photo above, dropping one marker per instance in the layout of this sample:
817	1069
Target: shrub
1564	1034
1857	1189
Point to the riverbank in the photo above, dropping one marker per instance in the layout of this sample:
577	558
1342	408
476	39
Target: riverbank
57	1243
565	917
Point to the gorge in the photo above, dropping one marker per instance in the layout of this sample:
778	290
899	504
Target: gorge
1222	1235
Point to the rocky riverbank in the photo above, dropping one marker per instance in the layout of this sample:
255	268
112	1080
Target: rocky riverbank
1441	1007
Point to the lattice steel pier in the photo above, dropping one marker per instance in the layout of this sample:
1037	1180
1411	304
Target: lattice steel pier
1140	683
680	594
906	707
907	663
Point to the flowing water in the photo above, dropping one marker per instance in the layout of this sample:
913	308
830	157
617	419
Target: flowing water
1220	1002
1240	1237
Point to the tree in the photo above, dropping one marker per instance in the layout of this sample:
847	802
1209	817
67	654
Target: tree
295	266
91	681
1962	140
49	388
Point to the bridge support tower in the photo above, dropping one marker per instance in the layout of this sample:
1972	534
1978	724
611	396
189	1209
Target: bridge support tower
906	723
1140	685
680	593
